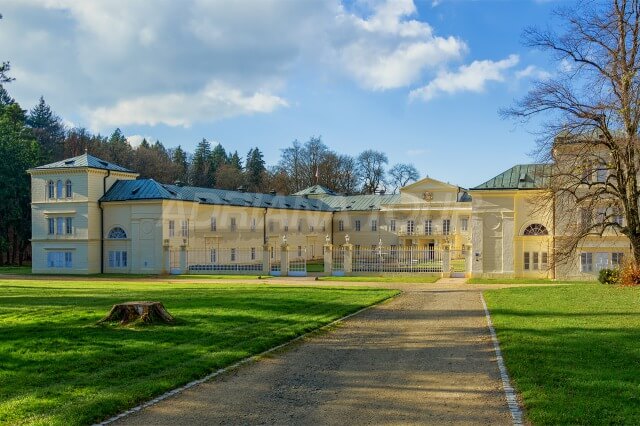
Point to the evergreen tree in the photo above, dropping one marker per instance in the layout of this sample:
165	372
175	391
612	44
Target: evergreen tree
120	152
235	161
144	143
181	163
5	98
201	165
48	130
255	170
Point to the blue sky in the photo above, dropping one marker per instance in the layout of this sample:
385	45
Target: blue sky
420	81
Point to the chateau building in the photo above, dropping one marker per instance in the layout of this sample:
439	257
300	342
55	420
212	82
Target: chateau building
92	216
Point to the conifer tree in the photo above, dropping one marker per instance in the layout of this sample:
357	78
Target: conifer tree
48	130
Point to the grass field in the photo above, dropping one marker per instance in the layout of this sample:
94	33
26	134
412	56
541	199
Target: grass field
573	351
522	281
385	279
58	367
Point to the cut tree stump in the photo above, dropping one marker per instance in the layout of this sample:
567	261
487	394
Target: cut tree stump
148	312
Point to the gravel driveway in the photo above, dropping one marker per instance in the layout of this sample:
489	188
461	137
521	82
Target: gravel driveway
423	357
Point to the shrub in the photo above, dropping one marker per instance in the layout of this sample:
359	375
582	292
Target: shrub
609	276
630	274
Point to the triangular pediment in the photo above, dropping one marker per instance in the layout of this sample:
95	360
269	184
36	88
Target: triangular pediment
429	190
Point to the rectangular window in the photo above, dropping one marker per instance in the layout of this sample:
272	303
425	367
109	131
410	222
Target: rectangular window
428	227
585	217
214	256
271	226
272	251
214	224
68	259
253	224
299	251
410	227
616	259
536	260
59	225
601	174
253	253
586	262
233	226
341	225
69	225
286	226
446	226
311	228
185	228
602	261
117	259
172	228
324	226
392	225
544	262
464	224
233	255
358	225
299	225
52	225
527	258
59	259
374	225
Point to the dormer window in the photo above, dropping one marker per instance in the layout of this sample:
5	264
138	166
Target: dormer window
50	189
59	189
68	189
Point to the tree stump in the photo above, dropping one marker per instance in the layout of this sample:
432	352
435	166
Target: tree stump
148	312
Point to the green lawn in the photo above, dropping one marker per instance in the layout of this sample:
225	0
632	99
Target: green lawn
58	367
522	281
15	270
573	351
385	279
217	277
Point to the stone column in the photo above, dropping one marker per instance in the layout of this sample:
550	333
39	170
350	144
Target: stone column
266	261
348	259
284	259
446	263
166	257
328	259
183	259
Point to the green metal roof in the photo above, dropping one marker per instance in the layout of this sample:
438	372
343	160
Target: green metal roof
149	189
84	160
316	190
359	202
521	176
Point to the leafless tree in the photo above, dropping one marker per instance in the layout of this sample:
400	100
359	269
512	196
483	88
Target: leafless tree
370	167
401	174
591	114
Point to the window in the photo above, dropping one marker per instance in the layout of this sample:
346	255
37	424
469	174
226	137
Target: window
601	174
586	262
214	256
410	227
117	259
392	225
50	189
616	259
52	226
341	225
117	233
214	224
299	251
286	226
68	189
233	255
233	224
535	229
271	226
172	228
585	217
464	224
59	225
311	228
374	225
59	189
446	226
253	224
272	251
617	216
527	261
536	259
428	227
253	253
358	225
69	225
324	226
299	225
59	259
544	262
184	229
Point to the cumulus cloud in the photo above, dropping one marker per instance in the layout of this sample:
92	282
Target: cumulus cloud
532	71
468	78
214	102
136	140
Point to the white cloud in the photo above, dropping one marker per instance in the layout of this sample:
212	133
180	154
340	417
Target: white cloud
216	101
468	78
532	72
136	140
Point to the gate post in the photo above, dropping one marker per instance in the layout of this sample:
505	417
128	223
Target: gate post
166	254
183	259
328	259
284	259
348	259
446	263
467	263
266	263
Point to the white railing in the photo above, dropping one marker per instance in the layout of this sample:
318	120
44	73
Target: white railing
225	260
386	259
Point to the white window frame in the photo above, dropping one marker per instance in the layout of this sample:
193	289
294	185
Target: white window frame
68	189
341	225
253	253
214	224
374	225
184	228
586	262
51	224
411	227
358	225
464	224
59	225
428	227
392	225
233	224
446	226
172	228
69	225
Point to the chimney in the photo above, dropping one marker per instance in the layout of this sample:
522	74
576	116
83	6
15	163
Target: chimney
179	183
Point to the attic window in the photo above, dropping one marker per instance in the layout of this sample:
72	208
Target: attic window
135	190
302	206
287	204
204	200
371	206
267	203
104	163
70	162
348	207
523	177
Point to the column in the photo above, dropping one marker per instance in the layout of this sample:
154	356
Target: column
284	259
446	263
266	262
348	259
183	259
328	259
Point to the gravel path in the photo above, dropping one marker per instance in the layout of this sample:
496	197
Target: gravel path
424	357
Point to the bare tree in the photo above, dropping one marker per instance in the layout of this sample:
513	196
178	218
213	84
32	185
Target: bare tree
370	167
591	111
401	174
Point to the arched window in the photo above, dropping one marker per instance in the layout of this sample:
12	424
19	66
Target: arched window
68	189
117	233
50	189
535	229
59	189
